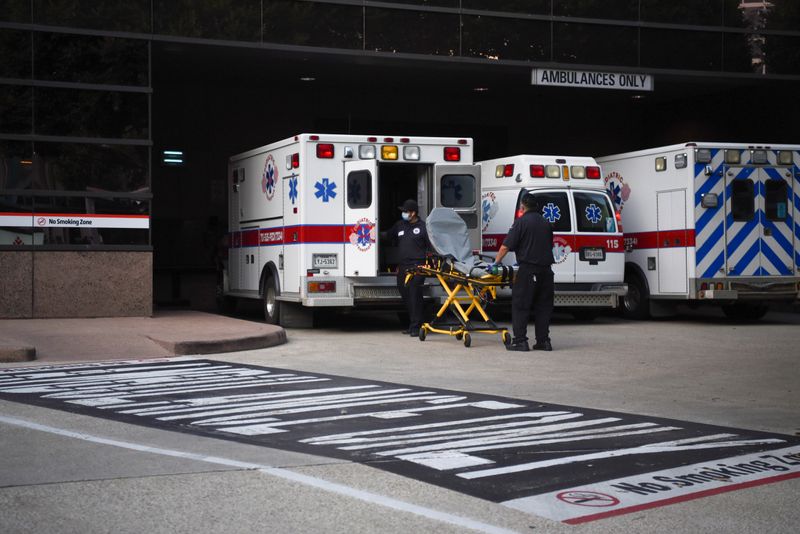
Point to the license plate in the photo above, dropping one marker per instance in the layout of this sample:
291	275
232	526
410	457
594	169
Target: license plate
325	261
594	254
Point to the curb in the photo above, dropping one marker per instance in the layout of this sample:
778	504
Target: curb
17	354
235	344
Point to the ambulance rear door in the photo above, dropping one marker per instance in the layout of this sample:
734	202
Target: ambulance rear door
598	244
361	218
555	206
458	187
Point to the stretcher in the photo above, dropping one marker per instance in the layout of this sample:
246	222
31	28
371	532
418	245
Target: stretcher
469	281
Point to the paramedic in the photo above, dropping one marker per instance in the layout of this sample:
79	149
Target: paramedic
531	237
412	243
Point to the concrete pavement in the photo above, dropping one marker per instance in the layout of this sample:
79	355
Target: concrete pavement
167	333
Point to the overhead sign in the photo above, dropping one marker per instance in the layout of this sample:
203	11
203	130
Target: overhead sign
592	79
74	220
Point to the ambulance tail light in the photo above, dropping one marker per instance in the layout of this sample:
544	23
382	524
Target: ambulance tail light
411	153
452	153
508	170
593	173
704	286
389	152
295	160
720	286
325	150
322	287
537	171
618	217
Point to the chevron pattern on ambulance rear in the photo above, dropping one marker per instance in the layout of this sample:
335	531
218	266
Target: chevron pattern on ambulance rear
710	222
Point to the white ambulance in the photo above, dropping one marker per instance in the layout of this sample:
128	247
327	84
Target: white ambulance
708	223
588	243
305	215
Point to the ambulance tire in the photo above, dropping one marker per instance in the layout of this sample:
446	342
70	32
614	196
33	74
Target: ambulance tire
272	306
636	304
742	311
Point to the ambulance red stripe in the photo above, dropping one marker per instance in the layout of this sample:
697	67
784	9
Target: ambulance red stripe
609	242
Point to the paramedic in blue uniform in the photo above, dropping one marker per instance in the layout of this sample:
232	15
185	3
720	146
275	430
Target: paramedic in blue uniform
531	238
412	243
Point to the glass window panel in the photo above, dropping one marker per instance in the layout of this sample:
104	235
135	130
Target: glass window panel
359	189
782	15
16	109
387	30
601	9
90	59
532	7
15	60
16	165
676	49
777	200
742	52
742	200
691	12
458	190
91	113
501	38
592	43
734	16
782	54
60	228
311	24
555	208
119	15
238	20
594	213
430	3
84	167
15	10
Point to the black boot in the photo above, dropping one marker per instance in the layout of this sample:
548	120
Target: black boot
543	345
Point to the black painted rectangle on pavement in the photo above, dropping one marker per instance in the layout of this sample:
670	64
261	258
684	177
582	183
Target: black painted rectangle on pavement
530	455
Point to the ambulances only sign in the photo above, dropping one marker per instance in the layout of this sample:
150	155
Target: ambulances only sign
592	80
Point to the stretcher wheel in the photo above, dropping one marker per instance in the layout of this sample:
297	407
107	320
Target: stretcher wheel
422	334
467	340
459	336
506	339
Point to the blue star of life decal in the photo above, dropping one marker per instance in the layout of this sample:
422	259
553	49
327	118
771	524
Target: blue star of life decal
293	189
551	212
362	233
615	192
326	190
593	213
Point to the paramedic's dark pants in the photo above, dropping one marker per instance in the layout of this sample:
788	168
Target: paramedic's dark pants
412	295
528	295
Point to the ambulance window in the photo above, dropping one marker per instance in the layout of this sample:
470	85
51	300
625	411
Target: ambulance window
742	200
777	200
554	206
594	213
359	189
458	190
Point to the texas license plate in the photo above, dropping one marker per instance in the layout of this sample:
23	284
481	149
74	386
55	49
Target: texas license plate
325	261
594	254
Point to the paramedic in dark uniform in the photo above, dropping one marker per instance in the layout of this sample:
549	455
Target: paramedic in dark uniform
412	242
531	238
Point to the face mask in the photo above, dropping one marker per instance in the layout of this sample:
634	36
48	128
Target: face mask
406	215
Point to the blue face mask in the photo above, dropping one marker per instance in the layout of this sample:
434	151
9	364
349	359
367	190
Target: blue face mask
406	215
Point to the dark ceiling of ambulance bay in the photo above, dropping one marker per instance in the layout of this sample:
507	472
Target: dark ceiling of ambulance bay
258	96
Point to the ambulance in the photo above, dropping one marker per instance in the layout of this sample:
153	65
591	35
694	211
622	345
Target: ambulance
708	223
306	213
588	242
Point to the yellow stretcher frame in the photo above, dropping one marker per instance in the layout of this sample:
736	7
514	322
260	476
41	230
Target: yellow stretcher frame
464	290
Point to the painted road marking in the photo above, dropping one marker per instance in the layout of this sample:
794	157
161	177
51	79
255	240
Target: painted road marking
293	476
560	462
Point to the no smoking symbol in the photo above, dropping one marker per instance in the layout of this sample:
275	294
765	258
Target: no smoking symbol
588	498
41	221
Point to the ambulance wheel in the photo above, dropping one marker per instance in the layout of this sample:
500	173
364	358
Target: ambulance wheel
467	340
272	306
742	311
422	334
506	339
636	303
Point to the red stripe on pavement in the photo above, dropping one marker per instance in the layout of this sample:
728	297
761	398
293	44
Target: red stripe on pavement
681	498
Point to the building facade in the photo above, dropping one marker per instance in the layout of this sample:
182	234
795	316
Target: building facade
95	95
